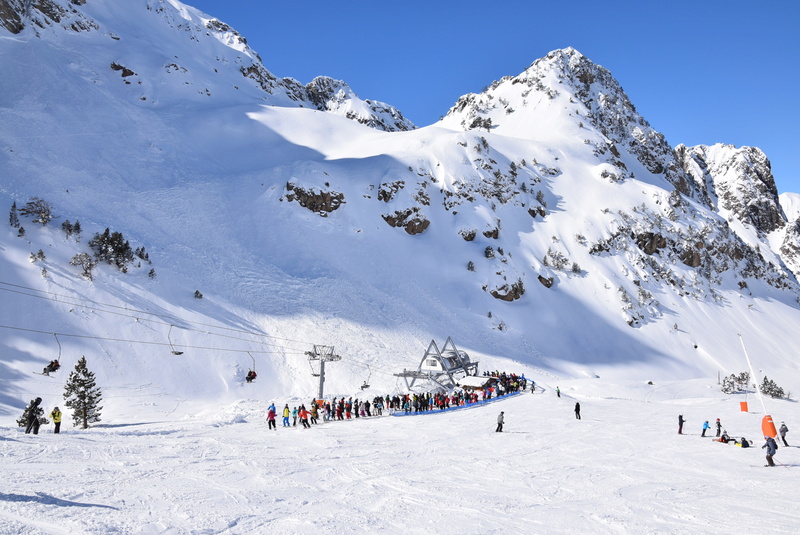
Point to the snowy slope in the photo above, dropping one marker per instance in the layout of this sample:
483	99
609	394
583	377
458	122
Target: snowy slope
565	241
622	468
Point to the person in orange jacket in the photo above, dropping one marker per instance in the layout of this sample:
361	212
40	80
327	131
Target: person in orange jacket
304	417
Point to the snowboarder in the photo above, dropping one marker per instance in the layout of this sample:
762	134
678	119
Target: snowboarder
33	416
500	420
577	410
783	430
719	427
286	414
705	428
56	416
772	448
681	421
558	392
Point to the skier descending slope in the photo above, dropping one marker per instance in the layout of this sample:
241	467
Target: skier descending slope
500	420
772	449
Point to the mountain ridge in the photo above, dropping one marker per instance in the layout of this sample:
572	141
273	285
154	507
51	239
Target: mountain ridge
565	236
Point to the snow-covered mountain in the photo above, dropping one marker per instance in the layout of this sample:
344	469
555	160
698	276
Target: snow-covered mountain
542	224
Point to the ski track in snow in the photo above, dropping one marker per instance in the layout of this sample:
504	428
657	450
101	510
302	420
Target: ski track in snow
621	469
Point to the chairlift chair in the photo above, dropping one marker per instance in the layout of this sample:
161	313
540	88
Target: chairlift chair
169	339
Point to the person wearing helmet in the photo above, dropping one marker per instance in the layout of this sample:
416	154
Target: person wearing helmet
783	430
772	449
56	416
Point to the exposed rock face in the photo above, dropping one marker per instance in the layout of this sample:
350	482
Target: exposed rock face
16	15
319	202
739	180
509	292
411	220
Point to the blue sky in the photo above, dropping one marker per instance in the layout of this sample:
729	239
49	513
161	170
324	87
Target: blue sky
700	72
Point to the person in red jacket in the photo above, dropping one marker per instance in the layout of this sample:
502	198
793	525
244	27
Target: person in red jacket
271	418
304	417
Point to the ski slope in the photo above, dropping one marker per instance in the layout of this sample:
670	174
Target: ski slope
622	468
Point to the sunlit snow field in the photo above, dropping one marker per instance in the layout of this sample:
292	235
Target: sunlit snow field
621	469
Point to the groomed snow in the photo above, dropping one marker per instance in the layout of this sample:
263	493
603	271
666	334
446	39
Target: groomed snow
621	469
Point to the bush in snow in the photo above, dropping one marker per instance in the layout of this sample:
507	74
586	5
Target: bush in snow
39	209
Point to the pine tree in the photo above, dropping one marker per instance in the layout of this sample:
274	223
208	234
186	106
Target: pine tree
82	395
13	218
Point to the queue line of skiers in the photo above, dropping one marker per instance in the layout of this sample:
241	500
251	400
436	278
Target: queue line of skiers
347	409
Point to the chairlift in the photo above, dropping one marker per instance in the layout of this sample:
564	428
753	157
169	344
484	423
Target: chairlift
251	373
169	339
54	364
366	383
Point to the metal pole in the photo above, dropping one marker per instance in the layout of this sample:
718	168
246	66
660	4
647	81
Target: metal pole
321	376
753	375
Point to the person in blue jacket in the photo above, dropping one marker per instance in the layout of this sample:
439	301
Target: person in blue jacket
705	428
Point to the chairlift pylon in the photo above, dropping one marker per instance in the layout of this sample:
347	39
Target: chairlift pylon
169	339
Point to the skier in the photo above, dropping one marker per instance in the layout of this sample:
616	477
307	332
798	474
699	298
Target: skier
719	427
533	386
304	417
558	392
250	376
271	417
783	430
33	416
772	448
705	428
294	417
681	421
577	410
500	420
53	366
286	414
56	416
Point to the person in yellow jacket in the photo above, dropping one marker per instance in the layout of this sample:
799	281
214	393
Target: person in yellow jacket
56	416
286	414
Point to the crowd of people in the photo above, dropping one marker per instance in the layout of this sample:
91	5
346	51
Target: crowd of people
341	408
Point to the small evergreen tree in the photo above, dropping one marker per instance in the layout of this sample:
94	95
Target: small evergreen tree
113	248
83	396
76	229
770	388
13	218
22	421
67	227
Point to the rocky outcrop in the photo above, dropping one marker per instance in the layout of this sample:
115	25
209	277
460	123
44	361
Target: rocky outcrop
410	220
740	182
16	15
319	202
